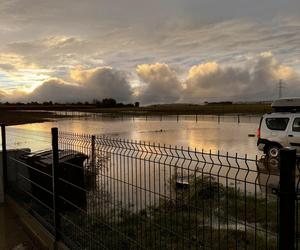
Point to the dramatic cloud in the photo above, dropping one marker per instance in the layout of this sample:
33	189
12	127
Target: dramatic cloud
161	83
39	42
84	85
257	79
103	82
209	48
56	90
210	79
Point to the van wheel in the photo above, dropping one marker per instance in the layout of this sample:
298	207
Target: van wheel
273	151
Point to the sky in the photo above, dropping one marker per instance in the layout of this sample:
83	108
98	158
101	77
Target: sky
158	51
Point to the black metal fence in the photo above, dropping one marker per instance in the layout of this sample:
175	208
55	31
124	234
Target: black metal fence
95	192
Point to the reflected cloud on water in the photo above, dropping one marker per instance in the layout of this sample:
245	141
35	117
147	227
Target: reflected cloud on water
269	174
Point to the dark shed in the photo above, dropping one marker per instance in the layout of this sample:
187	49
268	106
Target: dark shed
71	178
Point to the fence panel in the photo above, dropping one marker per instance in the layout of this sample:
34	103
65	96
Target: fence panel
119	194
151	196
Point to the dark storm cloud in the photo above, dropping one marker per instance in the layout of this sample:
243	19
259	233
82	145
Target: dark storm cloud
97	83
104	82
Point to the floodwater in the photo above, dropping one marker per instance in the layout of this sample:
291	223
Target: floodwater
225	133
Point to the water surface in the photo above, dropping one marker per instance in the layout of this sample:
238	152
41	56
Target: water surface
225	134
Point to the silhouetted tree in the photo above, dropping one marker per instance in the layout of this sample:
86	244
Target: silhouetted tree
109	103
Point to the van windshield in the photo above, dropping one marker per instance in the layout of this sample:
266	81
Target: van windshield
277	123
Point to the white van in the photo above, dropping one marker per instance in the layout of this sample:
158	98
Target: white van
280	128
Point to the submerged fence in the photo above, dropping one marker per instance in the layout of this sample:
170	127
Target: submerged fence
95	192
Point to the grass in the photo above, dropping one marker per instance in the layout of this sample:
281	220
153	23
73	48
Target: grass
207	215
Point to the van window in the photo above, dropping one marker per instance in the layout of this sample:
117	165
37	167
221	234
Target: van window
296	125
277	123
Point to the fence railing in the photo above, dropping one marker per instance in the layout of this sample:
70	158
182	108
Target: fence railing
96	192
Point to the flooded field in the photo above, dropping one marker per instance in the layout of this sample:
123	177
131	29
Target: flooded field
208	133
128	183
225	133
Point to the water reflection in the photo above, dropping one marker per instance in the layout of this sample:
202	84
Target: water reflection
269	174
206	134
136	174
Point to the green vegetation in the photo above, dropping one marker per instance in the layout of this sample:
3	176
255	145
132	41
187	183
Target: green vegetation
206	215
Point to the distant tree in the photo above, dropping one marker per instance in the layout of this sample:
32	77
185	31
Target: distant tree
111	103
48	103
97	102
129	105
33	103
120	105
108	103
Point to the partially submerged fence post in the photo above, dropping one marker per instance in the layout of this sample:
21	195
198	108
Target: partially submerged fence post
93	162
55	184
287	199
4	156
93	154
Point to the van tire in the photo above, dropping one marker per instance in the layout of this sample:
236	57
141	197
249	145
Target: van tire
273	151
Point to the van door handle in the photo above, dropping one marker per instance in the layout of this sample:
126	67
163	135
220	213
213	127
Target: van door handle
290	136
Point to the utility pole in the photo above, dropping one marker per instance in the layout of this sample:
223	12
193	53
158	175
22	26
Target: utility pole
280	87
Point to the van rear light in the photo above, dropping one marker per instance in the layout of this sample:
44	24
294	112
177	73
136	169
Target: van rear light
258	133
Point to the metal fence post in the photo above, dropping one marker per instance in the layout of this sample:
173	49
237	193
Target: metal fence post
55	182
93	154
4	156
287	199
93	163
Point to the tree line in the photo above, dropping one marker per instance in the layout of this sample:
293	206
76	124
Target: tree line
104	103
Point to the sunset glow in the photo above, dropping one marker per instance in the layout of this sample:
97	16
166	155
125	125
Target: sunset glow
198	51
